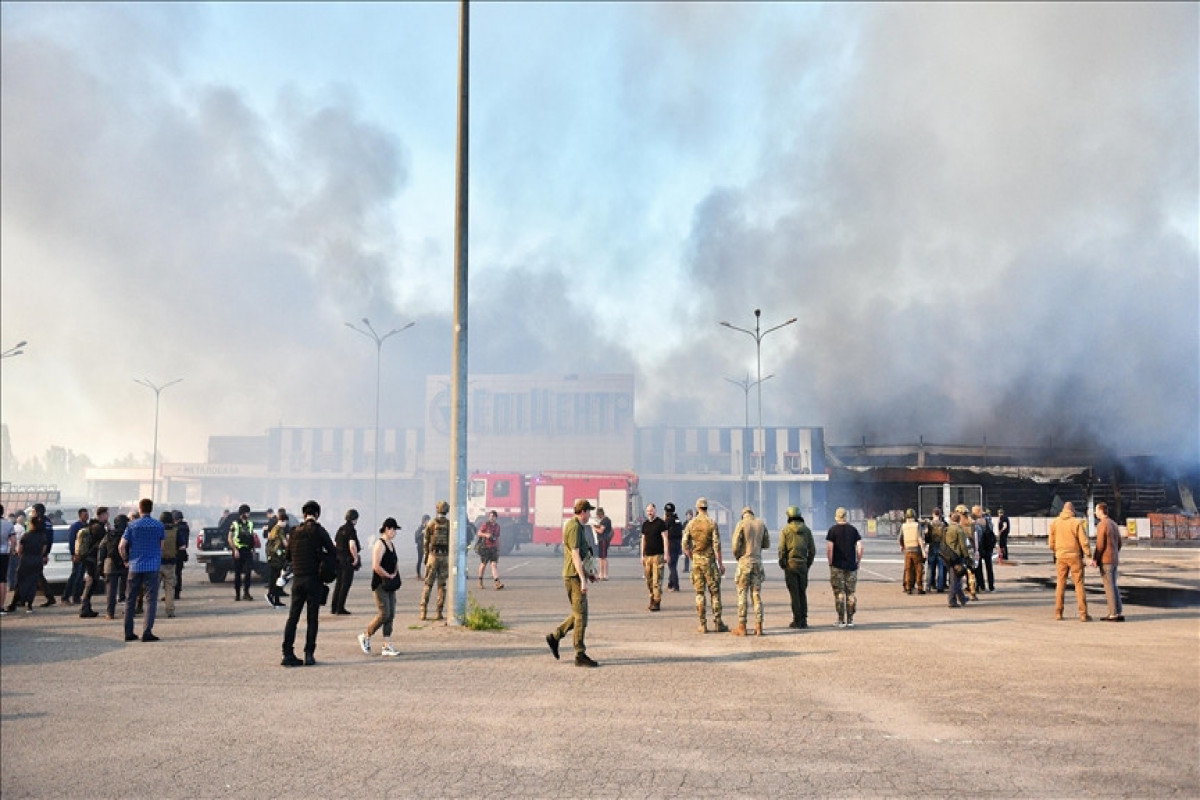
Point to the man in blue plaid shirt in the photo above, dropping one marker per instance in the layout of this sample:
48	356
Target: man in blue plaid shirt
141	548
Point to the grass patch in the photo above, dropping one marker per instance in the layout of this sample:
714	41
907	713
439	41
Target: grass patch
482	618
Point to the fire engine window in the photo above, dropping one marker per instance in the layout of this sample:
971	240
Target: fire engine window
501	489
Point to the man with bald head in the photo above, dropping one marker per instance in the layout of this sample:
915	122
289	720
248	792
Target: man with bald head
1069	543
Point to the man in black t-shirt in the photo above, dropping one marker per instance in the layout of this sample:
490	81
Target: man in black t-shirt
654	549
844	552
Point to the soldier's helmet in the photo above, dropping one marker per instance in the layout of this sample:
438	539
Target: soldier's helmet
793	512
443	507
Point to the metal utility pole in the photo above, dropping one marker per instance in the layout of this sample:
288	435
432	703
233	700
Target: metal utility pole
458	393
379	340
745	384
758	335
154	452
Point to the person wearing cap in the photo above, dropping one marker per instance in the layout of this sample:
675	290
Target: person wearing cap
797	551
575	551
241	544
654	551
437	559
914	553
702	544
487	545
843	551
750	537
349	559
385	568
674	546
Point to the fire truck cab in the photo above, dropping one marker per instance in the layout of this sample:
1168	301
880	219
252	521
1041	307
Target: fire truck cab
533	508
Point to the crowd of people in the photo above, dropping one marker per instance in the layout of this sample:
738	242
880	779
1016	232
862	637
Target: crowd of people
139	554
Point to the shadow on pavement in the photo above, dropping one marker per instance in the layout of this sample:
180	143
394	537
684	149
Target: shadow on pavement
37	646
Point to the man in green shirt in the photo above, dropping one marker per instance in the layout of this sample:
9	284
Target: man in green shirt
576	550
796	553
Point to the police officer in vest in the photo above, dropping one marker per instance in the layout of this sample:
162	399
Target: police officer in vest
437	558
241	544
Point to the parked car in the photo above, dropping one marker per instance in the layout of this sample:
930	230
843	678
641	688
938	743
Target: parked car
212	548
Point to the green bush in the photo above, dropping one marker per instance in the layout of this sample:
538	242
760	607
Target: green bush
481	618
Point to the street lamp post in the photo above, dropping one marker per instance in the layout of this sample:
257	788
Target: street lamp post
15	350
745	384
379	340
758	335
154	453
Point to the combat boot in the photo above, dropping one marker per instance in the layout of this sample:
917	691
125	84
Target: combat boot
722	627
758	629
740	630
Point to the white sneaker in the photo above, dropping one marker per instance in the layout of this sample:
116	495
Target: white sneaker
364	642
388	650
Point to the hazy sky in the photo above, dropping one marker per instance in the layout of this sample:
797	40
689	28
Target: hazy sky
984	216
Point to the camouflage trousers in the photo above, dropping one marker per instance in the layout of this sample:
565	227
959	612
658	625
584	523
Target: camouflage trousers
749	582
844	582
706	577
653	570
437	568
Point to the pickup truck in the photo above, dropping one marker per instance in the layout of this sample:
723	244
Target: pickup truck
212	548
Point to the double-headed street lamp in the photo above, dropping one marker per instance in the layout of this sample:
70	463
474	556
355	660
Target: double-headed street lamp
15	350
154	453
745	384
758	335
371	334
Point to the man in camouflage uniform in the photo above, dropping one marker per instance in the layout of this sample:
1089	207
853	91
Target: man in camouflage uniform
955	556
702	544
749	539
437	558
797	550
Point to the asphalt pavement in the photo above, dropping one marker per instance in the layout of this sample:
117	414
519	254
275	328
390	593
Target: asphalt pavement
996	699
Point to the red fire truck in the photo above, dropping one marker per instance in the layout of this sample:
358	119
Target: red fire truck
533	508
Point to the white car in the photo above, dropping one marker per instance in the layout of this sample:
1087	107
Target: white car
58	568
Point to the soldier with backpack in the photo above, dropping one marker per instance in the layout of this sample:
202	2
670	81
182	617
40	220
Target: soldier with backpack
87	546
170	552
437	558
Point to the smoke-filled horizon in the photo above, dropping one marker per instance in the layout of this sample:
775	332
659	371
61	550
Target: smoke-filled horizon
983	217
